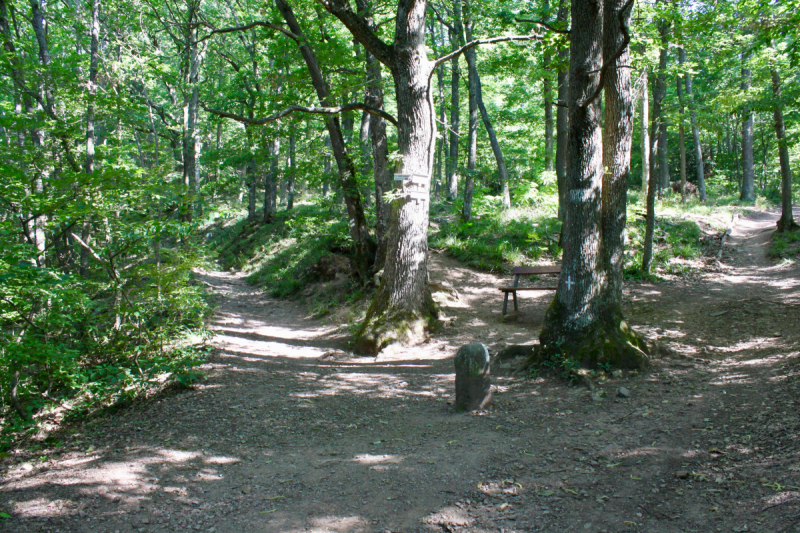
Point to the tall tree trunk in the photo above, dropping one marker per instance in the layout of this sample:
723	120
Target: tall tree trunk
617	141
562	119
441	147
547	89
584	322
575	306
663	156
273	147
326	166
190	104
645	122
250	180
290	179
475	92
547	93
403	308
88	165
659	93
681	129
38	136
698	149
786	222
472	139
250	173
455	106
347	169
748	161
381	169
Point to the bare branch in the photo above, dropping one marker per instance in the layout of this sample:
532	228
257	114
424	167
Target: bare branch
294	108
215	31
492	40
545	25
88	248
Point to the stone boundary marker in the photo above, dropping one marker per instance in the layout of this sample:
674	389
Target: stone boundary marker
473	382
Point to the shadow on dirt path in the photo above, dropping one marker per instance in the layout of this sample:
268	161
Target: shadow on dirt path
289	434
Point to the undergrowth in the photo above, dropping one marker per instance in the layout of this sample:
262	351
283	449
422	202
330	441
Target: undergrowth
496	239
279	255
785	245
71	346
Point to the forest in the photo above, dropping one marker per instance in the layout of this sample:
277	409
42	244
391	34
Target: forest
226	225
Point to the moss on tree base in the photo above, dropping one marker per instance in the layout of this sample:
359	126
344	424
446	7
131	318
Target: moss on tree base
606	343
384	327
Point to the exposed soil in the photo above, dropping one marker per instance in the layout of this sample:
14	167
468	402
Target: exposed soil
290	434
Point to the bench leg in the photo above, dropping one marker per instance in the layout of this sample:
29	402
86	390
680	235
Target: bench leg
516	309
505	303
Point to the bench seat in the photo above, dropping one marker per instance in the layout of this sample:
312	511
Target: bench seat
527	271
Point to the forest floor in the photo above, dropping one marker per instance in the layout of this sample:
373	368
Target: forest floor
291	434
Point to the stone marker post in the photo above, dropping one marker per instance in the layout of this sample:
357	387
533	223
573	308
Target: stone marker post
473	383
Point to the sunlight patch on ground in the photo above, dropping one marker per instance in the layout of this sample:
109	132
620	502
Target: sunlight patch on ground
127	481
384	386
338	524
266	348
370	459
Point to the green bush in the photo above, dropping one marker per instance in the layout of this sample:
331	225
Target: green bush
70	344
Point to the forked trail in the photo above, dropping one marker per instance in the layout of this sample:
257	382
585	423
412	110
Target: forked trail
288	434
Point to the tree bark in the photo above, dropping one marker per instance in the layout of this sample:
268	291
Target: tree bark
748	162
575	307
645	122
190	104
381	170
786	222
403	308
290	179
442	149
347	169
681	129
562	120
617	142
270	180
455	106
547	89
584	323
698	149
476	93
663	157
659	93
472	139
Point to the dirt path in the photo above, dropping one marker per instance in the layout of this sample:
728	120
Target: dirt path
287	435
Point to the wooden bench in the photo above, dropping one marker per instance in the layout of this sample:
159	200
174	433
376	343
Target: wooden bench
527	271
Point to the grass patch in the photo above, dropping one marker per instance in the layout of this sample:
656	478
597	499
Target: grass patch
785	245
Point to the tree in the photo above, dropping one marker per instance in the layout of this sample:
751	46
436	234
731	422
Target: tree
584	322
658	135
403	309
748	166
698	149
786	222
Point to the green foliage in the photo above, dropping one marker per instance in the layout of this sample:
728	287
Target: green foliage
676	243
279	255
785	245
495	239
72	344
555	362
